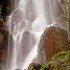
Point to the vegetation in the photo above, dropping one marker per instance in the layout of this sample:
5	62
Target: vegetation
4	9
60	61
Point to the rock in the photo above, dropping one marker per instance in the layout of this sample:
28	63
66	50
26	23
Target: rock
53	40
11	4
34	66
16	16
60	61
3	41
26	45
2	23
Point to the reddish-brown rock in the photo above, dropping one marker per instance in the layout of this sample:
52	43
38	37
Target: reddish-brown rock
53	40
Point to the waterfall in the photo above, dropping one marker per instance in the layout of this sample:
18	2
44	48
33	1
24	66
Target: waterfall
19	24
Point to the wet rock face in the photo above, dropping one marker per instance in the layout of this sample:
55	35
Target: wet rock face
3	41
27	43
53	40
17	16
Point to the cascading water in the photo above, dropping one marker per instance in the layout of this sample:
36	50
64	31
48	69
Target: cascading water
19	25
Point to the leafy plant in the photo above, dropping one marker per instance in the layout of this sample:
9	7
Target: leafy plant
44	67
59	61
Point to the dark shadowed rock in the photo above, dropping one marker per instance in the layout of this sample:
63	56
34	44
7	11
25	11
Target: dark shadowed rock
26	45
53	40
34	66
3	41
2	24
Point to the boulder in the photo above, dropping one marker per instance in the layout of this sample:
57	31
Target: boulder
53	40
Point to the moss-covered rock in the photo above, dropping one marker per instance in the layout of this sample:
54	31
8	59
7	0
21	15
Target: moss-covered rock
34	66
60	61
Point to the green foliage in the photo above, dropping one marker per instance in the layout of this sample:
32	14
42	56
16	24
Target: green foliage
31	66
62	56
59	61
34	66
4	11
44	67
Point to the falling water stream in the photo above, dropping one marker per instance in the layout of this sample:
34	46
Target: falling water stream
19	24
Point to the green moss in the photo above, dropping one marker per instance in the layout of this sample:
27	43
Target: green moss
44	67
62	56
59	61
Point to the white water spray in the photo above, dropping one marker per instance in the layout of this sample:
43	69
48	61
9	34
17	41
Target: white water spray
17	30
